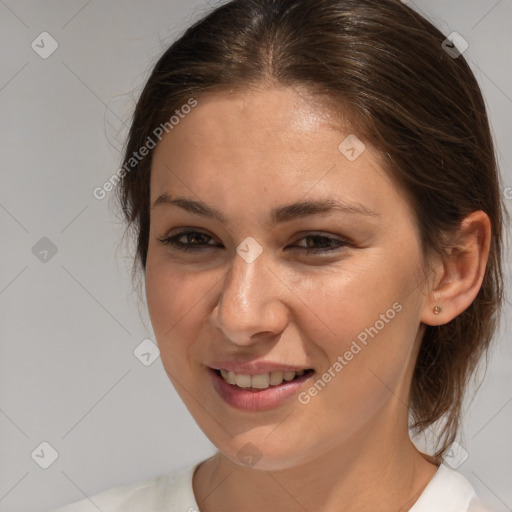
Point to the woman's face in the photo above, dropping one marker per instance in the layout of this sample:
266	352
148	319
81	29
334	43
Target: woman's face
301	255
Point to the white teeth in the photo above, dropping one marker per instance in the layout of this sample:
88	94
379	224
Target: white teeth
243	381
276	378
260	381
228	376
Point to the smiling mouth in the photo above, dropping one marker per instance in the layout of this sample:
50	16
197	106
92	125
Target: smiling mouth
263	380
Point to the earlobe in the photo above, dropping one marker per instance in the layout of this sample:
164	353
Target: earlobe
462	272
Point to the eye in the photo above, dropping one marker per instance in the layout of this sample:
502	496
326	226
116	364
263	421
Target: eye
199	241
188	241
318	244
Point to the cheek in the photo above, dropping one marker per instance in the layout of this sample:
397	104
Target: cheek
171	294
353	296
176	304
368	315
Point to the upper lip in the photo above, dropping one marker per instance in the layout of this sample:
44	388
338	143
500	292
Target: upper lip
256	367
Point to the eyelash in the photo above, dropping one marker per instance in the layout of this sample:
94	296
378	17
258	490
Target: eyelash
173	242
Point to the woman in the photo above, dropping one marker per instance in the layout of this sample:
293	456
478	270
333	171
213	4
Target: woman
314	194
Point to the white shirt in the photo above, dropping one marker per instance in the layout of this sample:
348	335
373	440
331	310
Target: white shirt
448	491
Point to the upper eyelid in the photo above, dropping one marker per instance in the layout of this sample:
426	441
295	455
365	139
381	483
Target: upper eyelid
299	236
186	232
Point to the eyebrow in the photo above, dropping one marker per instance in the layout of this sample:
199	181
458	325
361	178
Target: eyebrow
277	215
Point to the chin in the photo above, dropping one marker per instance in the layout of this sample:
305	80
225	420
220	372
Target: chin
264	456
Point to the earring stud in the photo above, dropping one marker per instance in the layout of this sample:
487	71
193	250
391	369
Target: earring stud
437	310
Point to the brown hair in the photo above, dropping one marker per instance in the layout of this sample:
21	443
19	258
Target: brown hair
383	63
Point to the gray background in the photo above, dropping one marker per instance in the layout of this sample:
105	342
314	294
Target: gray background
69	325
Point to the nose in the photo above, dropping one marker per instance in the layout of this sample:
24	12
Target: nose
251	303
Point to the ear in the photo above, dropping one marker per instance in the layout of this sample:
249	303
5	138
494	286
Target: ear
459	274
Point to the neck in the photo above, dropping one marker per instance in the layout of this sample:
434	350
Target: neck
377	469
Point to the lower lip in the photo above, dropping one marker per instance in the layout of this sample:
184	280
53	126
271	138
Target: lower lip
251	399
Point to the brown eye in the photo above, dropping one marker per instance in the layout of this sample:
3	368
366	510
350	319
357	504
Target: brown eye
320	244
188	241
197	241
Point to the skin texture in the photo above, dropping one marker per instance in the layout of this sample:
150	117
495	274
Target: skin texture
244	154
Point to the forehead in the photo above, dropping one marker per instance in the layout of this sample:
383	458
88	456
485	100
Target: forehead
278	142
256	119
279	105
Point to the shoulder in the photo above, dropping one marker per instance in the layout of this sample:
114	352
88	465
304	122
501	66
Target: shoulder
448	491
169	492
